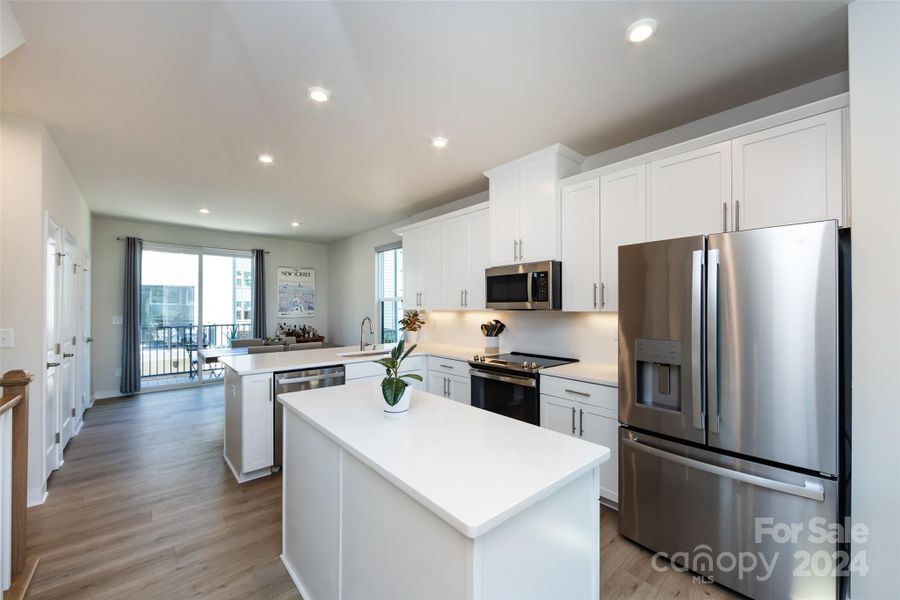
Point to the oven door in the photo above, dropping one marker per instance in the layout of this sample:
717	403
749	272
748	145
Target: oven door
505	394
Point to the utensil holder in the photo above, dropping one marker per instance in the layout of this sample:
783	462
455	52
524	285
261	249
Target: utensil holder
491	345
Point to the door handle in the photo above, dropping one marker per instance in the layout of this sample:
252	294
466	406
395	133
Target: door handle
737	215
461	298
466	301
515	250
577	393
595	295
521	245
573	420
696	338
712	339
602	294
50	365
810	489
581	422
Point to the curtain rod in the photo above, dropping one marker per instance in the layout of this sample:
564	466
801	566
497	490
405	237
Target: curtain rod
189	245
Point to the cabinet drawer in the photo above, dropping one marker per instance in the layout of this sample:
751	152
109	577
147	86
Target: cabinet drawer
449	366
600	396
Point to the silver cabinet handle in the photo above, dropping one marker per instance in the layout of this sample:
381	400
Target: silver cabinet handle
50	365
810	489
595	295
712	339
737	215
697	342
515	250
447	366
521	245
573	420
581	422
466	302
577	393
602	295
724	217
271	390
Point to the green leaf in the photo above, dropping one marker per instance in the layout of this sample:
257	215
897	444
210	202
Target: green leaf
415	376
411	348
392	389
388	363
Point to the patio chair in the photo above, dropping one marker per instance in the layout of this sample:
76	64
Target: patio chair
305	346
246	343
263	349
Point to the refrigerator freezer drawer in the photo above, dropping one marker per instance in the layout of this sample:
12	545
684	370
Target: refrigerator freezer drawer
702	508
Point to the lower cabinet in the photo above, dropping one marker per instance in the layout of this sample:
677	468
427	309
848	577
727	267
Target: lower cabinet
374	372
591	423
450	378
249	420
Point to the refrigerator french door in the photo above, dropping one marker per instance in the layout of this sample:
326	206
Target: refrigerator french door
729	396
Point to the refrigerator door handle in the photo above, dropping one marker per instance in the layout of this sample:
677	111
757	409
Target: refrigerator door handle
712	338
810	489
696	337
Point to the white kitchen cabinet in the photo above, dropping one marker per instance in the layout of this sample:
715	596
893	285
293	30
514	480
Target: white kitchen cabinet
596	425
559	415
464	258
623	220
792	173
690	193
524	206
580	243
259	416
450	386
422	266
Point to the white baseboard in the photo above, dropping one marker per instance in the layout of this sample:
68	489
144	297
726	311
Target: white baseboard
298	583
243	478
37	497
104	394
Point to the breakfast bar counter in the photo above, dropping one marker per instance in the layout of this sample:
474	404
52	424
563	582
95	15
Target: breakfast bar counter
446	501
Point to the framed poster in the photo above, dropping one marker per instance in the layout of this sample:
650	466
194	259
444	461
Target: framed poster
296	292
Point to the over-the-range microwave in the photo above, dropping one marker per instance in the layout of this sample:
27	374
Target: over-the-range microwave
526	286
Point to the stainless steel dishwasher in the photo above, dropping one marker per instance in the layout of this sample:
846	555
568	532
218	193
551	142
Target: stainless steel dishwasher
298	381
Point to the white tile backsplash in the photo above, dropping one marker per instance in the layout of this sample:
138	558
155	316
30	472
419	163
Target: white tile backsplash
589	337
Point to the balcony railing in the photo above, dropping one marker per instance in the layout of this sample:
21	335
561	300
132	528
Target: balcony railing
173	349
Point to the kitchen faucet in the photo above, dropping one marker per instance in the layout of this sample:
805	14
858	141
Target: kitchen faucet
362	346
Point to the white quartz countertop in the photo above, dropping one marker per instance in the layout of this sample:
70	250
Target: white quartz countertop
471	467
269	362
599	373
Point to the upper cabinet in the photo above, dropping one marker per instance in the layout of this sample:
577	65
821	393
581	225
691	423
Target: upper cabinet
691	193
524	205
444	260
623	220
789	174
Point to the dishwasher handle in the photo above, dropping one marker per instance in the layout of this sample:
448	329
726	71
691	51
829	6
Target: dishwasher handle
308	378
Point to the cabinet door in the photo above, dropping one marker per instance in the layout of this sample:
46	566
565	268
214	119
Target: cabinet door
455	261
504	217
538	211
558	414
790	174
479	247
417	385
413	267
597	426
437	383
623	220
460	389
580	242
258	422
691	193
432	267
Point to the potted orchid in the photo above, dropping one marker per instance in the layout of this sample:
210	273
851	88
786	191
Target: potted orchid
394	388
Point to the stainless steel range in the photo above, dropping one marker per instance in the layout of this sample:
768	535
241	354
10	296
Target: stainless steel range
508	384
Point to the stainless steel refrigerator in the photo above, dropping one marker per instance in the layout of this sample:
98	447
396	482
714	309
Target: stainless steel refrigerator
733	385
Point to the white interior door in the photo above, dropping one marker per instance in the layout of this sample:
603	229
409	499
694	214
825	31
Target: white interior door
85	341
52	349
68	339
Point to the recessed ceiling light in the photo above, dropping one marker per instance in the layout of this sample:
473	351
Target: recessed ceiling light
266	158
439	142
204	211
319	94
641	30
295	223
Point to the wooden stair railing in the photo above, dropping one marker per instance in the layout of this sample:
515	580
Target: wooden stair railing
15	400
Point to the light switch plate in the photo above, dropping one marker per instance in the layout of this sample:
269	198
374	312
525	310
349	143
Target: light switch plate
7	338
117	320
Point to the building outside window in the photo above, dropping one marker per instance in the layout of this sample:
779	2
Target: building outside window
390	291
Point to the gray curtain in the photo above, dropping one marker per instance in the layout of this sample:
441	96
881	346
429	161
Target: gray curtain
131	330
258	318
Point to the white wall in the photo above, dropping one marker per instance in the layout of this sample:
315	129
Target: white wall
874	46
34	181
109	269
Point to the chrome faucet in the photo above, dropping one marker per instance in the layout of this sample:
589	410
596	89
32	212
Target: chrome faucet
362	345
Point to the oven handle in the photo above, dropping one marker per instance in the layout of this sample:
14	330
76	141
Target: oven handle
526	381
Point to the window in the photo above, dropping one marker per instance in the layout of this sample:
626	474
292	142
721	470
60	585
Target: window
390	292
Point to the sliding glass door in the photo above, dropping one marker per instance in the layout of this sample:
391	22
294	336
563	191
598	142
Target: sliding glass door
191	300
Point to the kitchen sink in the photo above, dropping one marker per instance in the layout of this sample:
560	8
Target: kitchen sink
373	352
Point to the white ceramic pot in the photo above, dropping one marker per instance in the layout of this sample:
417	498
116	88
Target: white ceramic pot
492	345
401	407
412	337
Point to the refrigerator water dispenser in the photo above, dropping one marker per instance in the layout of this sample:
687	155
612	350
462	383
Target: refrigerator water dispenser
658	374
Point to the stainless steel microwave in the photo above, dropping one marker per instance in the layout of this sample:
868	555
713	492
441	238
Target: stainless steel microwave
526	286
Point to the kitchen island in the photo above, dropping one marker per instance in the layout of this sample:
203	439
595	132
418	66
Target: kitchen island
447	501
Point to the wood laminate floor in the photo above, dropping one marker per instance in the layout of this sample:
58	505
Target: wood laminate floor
144	507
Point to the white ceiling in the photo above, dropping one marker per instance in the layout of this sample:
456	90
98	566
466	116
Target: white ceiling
160	108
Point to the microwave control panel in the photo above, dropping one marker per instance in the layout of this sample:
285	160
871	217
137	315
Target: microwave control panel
540	289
